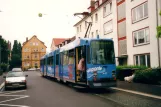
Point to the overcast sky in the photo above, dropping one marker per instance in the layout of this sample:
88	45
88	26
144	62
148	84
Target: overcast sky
19	19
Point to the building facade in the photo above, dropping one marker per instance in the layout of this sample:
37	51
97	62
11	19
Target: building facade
59	42
132	26
55	43
32	50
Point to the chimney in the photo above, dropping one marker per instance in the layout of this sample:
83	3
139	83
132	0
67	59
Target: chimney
26	39
91	8
92	2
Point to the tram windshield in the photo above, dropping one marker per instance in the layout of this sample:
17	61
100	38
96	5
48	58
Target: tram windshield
102	52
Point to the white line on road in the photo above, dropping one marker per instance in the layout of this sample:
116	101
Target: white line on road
13	99
12	92
138	93
2	85
14	105
11	95
111	100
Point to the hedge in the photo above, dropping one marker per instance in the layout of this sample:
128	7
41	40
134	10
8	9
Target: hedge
127	70
148	76
4	68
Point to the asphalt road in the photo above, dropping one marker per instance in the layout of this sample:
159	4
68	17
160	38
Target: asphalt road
42	92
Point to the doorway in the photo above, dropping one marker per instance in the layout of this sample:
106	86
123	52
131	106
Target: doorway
80	52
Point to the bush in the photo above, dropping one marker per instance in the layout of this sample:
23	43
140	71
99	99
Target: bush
127	70
148	76
4	67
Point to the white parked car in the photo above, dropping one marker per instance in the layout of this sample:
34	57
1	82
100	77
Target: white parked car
17	69
15	80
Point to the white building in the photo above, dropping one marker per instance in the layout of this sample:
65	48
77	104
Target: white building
131	24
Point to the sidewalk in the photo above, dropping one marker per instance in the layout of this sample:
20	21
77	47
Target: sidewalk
138	87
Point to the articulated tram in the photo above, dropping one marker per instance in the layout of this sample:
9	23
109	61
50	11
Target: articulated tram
100	67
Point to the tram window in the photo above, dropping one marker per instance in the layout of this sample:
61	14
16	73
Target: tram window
65	58
71	56
41	62
57	59
44	62
88	55
48	61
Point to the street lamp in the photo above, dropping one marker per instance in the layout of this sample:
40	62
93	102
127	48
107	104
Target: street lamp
89	23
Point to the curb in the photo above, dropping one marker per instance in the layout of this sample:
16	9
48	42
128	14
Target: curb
137	93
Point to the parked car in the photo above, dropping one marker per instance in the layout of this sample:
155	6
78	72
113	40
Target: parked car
32	69
17	70
15	80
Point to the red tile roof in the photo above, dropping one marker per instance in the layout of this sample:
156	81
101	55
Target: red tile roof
58	41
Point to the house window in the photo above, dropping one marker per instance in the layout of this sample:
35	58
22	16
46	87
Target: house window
77	29
37	44
35	64
42	49
143	59
108	27
140	12
92	34
96	17
107	9
25	50
141	37
34	43
35	55
92	18
80	28
85	24
96	32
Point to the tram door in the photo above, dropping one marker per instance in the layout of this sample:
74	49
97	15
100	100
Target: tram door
61	67
79	53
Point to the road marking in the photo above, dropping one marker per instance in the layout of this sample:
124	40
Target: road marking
138	93
11	95
14	105
13	99
2	85
124	105
13	92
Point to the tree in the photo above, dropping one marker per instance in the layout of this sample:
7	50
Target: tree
4	51
159	29
16	55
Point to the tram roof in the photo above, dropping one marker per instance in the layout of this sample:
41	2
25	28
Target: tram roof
79	42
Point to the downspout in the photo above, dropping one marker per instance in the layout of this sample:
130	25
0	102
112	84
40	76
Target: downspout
157	38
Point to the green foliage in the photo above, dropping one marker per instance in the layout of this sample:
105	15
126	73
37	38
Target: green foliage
16	55
4	50
36	66
148	76
127	70
40	14
130	67
159	29
4	67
